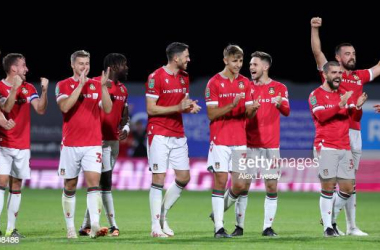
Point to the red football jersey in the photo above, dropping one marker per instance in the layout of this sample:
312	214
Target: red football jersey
19	136
331	122
169	90
228	130
111	121
263	130
81	124
354	82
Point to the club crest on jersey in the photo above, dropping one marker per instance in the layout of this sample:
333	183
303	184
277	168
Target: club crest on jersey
155	166
92	86
167	80
271	91
151	83
222	84
121	89
217	165
24	91
182	81
63	172
207	92
356	76
325	172
241	85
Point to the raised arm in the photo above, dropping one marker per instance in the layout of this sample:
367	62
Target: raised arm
316	47
106	98
40	104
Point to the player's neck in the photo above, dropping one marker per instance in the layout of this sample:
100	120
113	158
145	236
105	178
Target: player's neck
230	75
172	68
347	71
326	87
77	78
113	78
263	80
10	79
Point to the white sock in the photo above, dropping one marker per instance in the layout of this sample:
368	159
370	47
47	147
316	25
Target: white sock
155	200
94	205
240	207
217	201
86	219
68	205
170	198
270	208
14	201
325	205
109	207
2	194
229	199
351	211
340	201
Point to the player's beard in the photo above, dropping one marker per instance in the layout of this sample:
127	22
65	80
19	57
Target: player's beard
182	66
330	82
23	77
349	66
122	76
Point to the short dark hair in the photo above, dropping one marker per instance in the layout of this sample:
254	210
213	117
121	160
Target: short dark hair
327	66
10	60
113	59
79	53
175	48
337	48
263	56
232	50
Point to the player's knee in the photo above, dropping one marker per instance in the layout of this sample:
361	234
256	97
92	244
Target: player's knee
184	179
347	189
220	183
158	178
239	187
182	183
4	181
271	186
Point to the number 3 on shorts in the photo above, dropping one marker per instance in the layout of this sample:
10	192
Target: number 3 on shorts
99	159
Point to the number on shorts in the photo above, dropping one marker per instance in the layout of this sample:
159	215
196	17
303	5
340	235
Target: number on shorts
99	157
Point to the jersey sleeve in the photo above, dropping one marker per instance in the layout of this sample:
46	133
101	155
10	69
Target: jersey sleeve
284	93
248	94
152	86
318	109
3	95
365	75
62	91
285	107
126	96
211	93
187	81
33	94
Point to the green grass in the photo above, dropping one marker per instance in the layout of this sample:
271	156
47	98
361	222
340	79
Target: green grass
297	222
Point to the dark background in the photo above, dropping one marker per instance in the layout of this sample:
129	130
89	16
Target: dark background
47	38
